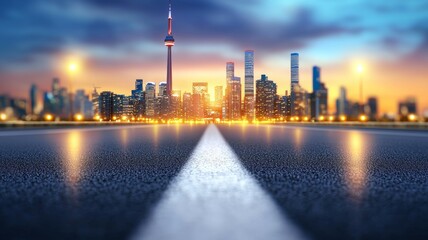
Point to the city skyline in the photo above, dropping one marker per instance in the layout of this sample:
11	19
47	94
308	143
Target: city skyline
207	65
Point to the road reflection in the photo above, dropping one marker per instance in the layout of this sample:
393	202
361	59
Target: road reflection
298	139
155	136
177	132
355	164
73	158
124	137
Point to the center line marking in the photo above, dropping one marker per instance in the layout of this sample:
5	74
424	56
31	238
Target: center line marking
215	197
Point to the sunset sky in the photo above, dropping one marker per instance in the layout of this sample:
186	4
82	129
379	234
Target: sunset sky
115	42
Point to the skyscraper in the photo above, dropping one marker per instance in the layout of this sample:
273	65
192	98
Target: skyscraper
200	88
175	104
249	73
406	108
218	96
118	106
342	103
316	78
372	108
294	87
162	89
230	75
187	106
265	98
230	71
34	100
294	68
169	42
200	98
249	85
106	105
150	99
139	84
95	102
234	99
319	96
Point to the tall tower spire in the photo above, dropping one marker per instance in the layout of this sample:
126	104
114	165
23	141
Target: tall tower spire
169	20
169	42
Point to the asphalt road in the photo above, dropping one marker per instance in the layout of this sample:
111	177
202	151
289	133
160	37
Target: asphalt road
213	182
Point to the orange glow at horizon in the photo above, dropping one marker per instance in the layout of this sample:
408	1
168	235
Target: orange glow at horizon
383	81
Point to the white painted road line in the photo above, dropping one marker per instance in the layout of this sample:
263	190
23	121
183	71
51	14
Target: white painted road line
214	197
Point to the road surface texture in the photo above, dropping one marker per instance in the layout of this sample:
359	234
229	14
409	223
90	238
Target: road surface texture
213	182
341	184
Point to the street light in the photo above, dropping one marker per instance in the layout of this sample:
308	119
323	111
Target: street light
48	117
79	117
363	118
412	117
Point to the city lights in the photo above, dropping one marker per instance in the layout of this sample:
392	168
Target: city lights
3	116
48	117
241	97
78	117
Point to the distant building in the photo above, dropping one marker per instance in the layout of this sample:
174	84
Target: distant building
201	99
138	99
162	89
294	68
249	102
57	102
118	100
106	105
218	96
319	96
372	108
34	100
139	85
265	98
342	104
150	99
316	78
406	108
82	104
234	99
187	106
128	107
95	102
295	89
249	73
230	71
175	104
162	106
300	101
19	107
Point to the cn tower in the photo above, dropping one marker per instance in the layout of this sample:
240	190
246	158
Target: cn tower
169	42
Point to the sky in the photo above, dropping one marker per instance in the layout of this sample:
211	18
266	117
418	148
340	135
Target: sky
116	42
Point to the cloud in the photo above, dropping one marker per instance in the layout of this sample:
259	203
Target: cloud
45	27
